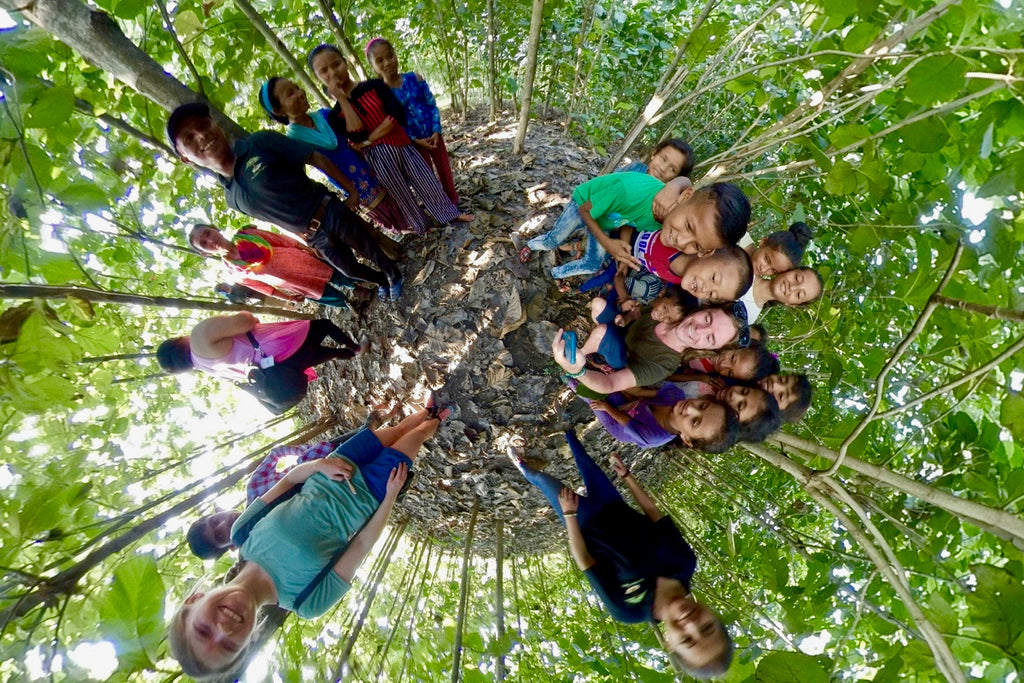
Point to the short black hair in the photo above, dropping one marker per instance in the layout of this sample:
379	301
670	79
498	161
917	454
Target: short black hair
181	114
199	544
746	267
174	355
322	47
683	148
766	363
678	296
766	422
733	209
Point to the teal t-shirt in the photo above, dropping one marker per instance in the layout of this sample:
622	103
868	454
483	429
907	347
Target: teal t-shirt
619	199
298	538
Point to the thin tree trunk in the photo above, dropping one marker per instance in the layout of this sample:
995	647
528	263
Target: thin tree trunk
575	77
492	64
410	596
120	356
669	84
970	511
84	107
996	312
339	670
536	19
424	592
65	581
10	291
343	42
463	595
282	50
98	39
499	596
169	25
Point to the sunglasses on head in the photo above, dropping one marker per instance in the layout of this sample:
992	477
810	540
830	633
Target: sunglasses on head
739	311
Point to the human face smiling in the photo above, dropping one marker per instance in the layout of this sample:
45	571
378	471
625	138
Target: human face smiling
747	402
697	420
707	330
384	60
666	163
691	226
332	71
210	241
768	261
795	287
737	364
714	278
218	624
201	142
693	632
665	310
292	101
781	387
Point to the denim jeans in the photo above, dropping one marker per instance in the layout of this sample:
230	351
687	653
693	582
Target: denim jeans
600	489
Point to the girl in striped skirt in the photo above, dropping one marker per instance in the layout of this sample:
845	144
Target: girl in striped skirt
372	118
286	103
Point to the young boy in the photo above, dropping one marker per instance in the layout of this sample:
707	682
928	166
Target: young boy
264	177
602	205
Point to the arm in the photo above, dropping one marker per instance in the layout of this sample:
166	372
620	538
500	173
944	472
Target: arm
333	468
353	124
212	337
362	543
642	499
667	197
264	288
611	411
318	160
618	249
619	380
569	502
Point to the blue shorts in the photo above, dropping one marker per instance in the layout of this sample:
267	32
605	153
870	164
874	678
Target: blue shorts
374	461
613	344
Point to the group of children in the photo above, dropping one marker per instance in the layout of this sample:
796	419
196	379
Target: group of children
674	354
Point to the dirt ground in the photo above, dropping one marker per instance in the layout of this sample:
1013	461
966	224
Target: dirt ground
476	326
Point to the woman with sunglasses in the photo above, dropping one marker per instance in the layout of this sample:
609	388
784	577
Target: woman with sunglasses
654	349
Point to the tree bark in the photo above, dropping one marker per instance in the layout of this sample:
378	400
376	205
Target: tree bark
99	40
670	82
8	291
492	63
344	44
463	595
499	595
996	312
970	511
536	19
339	671
119	356
281	49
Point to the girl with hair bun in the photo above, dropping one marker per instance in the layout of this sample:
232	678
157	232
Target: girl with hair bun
780	251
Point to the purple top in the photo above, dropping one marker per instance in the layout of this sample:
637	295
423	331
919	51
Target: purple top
642	429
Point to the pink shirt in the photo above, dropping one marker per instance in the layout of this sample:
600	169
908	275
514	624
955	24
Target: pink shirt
279	340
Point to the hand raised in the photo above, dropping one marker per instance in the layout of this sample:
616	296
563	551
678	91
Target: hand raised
619	466
568	500
396	480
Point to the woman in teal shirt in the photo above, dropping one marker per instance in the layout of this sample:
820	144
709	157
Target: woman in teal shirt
302	553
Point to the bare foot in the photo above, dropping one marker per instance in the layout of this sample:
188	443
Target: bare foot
465	218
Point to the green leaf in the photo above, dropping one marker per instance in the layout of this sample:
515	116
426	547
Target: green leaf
841	180
1011	415
790	667
131	612
848	134
85	195
997	605
53	107
927	135
935	79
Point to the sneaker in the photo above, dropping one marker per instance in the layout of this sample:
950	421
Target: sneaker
383	293
395	291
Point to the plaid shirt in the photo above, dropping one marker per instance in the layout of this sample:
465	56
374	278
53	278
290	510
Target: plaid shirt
272	470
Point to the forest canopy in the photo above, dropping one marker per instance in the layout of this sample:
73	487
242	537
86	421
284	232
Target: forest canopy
879	538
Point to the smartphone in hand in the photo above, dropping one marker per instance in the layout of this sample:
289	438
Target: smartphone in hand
570	346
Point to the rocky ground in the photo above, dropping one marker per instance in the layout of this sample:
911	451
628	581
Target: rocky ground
476	325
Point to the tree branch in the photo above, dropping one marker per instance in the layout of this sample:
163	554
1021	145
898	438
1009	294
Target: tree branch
922	320
179	47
